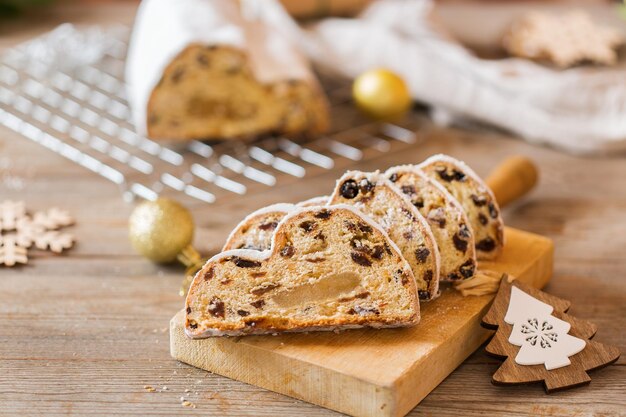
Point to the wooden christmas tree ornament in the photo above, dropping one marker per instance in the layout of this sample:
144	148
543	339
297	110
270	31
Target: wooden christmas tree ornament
540	342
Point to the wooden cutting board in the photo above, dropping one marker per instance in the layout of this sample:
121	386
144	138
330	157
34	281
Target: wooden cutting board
376	372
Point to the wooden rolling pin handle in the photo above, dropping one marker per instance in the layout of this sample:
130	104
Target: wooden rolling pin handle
512	179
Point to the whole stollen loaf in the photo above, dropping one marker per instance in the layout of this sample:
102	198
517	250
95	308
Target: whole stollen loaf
220	69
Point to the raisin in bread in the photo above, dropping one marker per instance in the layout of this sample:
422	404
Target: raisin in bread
378	198
476	198
256	230
315	201
447	219
199	69
329	268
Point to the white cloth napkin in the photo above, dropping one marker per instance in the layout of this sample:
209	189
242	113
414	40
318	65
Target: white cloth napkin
577	110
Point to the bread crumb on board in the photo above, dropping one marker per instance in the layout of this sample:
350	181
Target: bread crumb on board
189	404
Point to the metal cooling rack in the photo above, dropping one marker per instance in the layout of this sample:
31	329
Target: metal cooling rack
74	104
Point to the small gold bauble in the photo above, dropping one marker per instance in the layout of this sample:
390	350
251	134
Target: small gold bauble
381	94
161	229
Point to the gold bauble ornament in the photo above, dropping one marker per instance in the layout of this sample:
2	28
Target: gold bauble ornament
160	229
381	94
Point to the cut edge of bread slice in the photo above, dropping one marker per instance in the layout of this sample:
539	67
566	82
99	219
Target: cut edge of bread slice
395	271
462	239
429	256
483	250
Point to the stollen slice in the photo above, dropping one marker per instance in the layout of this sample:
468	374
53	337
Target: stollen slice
476	198
256	230
378	198
446	217
328	268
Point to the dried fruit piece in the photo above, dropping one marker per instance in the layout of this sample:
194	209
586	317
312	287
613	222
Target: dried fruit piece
244	263
349	189
268	226
216	307
459	243
308	225
322	214
486	245
287	251
360	259
208	274
421	254
363	311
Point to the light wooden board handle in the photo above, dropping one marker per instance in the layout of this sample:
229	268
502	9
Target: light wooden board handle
307	9
512	179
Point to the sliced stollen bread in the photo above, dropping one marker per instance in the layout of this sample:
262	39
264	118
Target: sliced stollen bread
328	268
476	198
378	198
204	69
256	230
446	217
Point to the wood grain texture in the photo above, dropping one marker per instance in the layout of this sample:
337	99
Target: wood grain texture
595	355
83	333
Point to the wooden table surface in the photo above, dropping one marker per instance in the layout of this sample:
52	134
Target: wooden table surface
85	332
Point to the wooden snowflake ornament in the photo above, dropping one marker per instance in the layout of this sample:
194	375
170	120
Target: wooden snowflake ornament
19	231
540	342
